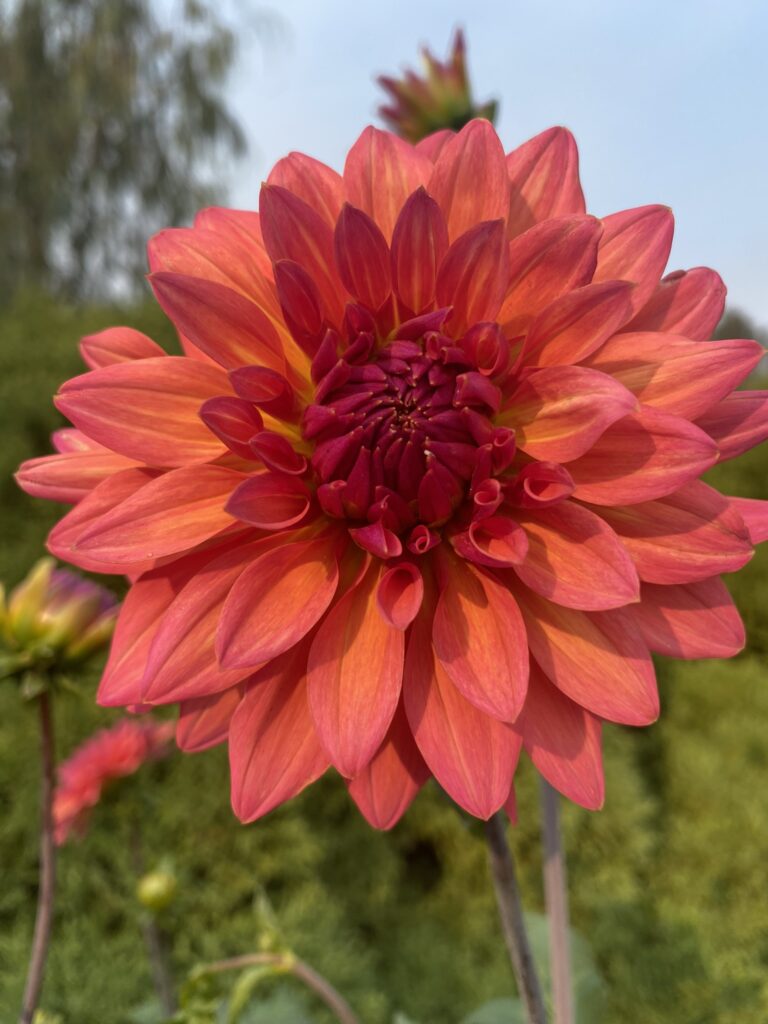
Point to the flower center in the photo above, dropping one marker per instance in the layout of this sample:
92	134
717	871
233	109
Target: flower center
402	434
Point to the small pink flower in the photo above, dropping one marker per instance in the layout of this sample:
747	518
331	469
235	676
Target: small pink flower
107	755
424	489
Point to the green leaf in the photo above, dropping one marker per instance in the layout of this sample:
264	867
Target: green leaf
243	989
498	1011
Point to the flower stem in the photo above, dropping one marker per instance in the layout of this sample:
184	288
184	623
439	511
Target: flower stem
47	884
299	969
512	923
155	939
556	894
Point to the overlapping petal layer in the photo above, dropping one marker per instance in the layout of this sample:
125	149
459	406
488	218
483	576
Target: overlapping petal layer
423	489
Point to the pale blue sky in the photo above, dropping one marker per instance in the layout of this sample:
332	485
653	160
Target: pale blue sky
668	102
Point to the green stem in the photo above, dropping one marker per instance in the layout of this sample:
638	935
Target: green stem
47	886
556	894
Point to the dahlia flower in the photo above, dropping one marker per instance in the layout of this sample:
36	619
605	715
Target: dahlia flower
442	98
424	488
53	618
108	755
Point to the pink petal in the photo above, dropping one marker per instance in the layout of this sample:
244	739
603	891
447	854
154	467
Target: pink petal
641	457
472	755
545	262
69	476
385	788
276	601
63	540
563	741
689	535
362	257
182	662
274	751
473	275
400	593
676	375
221	322
544	174
479	640
738	423
270	501
754	514
204	721
354	676
635	247
686	302
577	324
559	412
694	620
117	345
433	144
575	559
419	243
234	421
317	184
469	179
147	409
598	659
170	514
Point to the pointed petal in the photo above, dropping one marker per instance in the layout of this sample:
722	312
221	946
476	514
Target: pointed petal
686	302
635	247
354	676
419	243
224	324
545	262
598	659
385	788
147	409
400	594
234	421
276	601
171	514
117	345
689	535
641	457
294	231
472	755
563	741
559	412
274	751
694	620
433	144
738	423
362	257
181	662
544	174
69	476
480	641
380	173
64	538
577	324
469	180
676	375
270	501
317	184
204	721
754	515
473	275
575	559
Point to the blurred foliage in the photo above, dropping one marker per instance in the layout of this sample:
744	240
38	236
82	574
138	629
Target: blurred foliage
112	125
668	882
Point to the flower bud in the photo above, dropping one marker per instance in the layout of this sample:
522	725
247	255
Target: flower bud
54	617
156	890
441	99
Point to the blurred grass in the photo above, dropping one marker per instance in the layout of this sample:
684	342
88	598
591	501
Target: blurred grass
668	883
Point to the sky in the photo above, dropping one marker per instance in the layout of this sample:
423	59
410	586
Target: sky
668	102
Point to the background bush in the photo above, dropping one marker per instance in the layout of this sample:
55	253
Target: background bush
668	882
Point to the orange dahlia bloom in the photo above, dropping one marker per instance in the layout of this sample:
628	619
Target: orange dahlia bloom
423	489
108	755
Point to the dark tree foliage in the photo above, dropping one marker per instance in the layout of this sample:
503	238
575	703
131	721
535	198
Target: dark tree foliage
112	125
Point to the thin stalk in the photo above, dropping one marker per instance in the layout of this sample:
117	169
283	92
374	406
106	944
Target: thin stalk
47	885
155	939
556	895
512	923
291	964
